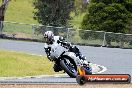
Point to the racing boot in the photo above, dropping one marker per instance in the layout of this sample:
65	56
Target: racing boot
88	70
86	65
57	68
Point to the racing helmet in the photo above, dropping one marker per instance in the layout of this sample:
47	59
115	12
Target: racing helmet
49	37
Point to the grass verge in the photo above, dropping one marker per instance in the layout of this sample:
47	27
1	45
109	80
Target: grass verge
20	11
20	64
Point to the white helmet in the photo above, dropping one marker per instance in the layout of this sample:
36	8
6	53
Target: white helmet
49	37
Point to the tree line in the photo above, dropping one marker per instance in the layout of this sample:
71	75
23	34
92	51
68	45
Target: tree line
106	15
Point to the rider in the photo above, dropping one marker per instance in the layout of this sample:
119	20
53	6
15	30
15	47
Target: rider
50	39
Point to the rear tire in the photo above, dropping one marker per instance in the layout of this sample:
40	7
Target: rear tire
67	70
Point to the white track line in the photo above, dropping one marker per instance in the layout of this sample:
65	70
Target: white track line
103	69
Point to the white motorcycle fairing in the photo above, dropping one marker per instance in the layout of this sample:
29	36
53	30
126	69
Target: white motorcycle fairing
56	51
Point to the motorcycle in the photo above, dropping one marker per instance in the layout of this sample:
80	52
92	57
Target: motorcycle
65	60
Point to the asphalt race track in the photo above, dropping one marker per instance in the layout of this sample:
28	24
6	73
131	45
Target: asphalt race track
116	60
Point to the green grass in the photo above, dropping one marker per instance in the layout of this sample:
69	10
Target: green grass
15	28
20	11
21	64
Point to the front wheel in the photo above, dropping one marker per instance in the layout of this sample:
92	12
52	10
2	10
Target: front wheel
69	66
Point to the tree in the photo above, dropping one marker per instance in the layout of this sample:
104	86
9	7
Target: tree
80	6
108	15
3	8
53	12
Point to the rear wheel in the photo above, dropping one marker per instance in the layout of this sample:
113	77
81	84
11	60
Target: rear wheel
69	66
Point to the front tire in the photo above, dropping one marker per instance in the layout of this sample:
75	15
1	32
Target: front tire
70	70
